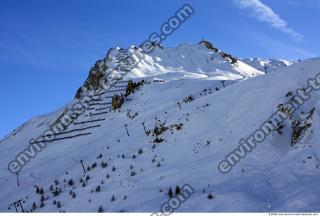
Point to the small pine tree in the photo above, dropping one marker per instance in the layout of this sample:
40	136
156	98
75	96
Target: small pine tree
56	192
178	190
71	183
94	165
98	189
41	204
34	206
58	204
41	191
37	190
104	164
73	195
108	176
113	169
170	193
100	210
42	198
210	196
140	151
87	178
113	198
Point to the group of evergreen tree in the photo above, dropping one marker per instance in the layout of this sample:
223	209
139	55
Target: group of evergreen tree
177	191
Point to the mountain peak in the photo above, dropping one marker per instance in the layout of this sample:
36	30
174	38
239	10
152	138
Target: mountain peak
202	60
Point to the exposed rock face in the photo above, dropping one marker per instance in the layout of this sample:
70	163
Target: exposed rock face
132	86
224	55
157	45
79	93
104	69
209	45
97	72
300	126
117	101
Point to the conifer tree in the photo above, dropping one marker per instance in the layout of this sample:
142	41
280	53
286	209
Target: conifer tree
178	190
170	193
100	210
34	206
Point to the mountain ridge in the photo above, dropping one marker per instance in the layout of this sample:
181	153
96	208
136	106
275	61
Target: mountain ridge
181	115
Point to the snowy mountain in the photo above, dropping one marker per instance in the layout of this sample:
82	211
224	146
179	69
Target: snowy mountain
266	65
201	60
176	116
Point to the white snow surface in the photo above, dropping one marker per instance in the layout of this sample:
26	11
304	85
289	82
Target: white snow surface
266	64
230	103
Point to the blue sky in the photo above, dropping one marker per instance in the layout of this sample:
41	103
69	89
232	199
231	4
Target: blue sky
48	46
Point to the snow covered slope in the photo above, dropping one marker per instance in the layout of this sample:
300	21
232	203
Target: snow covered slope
195	104
266	64
201	60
